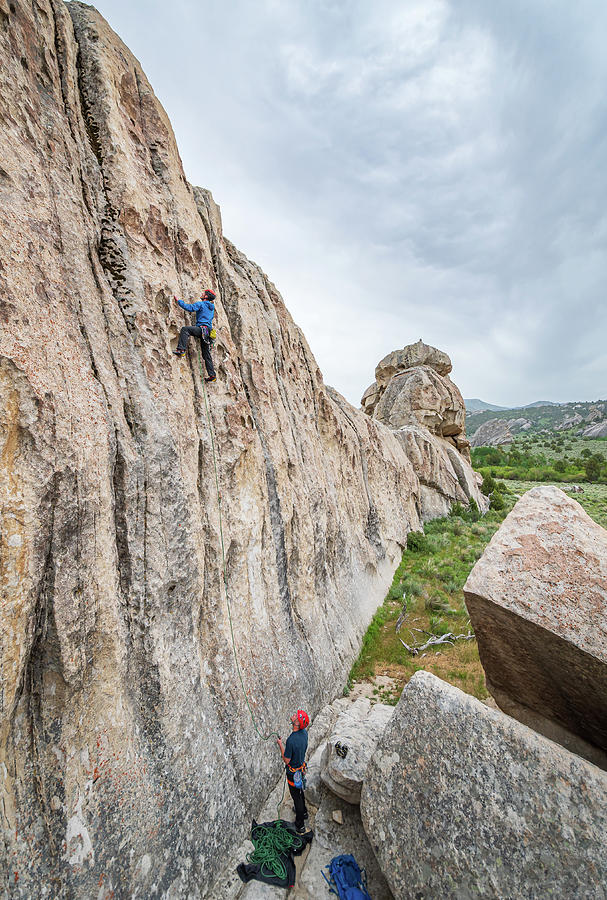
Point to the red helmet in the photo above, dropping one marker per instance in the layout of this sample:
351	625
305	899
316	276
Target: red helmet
208	294
303	718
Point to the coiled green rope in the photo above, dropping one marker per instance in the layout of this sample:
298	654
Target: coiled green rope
272	842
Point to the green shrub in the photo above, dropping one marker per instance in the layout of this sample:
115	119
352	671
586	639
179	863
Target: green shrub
457	511
497	501
473	513
396	592
592	468
488	485
412	587
417	542
438	626
437	602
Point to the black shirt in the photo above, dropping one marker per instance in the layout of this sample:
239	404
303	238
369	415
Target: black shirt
295	750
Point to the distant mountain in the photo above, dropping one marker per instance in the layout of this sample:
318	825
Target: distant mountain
477	405
538	403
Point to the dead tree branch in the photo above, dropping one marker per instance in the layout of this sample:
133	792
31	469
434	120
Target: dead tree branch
435	640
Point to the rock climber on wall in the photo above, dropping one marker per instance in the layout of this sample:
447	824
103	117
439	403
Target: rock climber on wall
205	312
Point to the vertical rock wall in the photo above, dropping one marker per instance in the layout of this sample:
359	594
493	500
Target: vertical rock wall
128	762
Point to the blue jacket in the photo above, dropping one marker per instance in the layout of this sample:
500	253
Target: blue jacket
204	309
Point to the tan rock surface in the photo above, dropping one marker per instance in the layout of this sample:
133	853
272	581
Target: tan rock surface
410	357
462	801
492	434
358	727
444	474
126	762
421	397
414	396
537	600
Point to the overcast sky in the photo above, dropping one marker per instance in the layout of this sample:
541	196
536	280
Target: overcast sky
422	168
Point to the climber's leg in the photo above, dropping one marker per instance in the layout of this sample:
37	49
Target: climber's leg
184	337
206	355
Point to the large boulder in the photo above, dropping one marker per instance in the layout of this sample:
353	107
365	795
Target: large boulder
569	422
461	801
596	430
537	600
358	728
410	357
414	396
420	396
492	434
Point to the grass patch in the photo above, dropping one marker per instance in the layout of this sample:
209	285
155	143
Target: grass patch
429	580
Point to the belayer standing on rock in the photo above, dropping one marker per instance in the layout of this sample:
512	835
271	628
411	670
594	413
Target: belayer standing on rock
294	757
205	312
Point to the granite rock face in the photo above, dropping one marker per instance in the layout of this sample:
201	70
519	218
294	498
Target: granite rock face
420	396
410	357
537	600
125	742
359	728
492	434
414	396
460	800
444	475
596	430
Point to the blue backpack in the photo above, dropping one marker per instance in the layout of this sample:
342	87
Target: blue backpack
346	879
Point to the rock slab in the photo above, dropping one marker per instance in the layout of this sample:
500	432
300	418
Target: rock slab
461	801
537	600
359	728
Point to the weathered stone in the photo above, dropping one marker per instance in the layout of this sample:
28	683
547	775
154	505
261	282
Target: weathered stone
597	430
444	476
370	398
410	357
462	801
126	760
520	424
492	434
319	748
358	728
569	422
413	391
421	397
537	600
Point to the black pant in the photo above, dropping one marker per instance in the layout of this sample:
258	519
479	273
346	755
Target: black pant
299	801
196	331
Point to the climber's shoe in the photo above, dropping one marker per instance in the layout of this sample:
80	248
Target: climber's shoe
211	378
178	353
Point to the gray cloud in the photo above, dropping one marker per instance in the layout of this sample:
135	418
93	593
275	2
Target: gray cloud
432	169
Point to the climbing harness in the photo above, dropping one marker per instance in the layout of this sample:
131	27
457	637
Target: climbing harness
299	776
